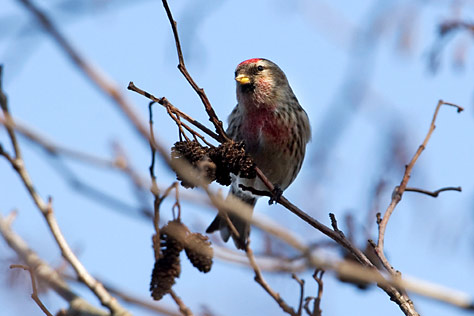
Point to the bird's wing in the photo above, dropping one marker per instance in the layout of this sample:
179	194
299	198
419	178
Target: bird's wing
235	121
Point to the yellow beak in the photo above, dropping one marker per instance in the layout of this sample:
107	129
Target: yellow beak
242	79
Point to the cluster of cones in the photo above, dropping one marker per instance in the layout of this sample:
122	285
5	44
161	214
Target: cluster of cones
173	238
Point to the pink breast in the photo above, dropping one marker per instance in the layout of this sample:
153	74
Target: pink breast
264	123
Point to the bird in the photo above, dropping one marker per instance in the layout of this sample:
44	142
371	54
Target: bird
275	130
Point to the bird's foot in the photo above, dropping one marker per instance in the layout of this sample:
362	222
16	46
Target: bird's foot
277	192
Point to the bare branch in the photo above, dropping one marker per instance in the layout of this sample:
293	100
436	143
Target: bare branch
354	272
47	211
164	102
318	277
56	149
182	67
397	196
34	295
8	118
260	280
44	272
433	193
98	78
182	307
301	283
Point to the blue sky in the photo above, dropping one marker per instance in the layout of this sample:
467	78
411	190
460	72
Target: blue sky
319	46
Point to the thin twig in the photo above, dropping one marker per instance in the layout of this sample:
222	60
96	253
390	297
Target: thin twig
56	149
159	200
96	287
97	77
44	272
164	102
397	196
154	187
178	122
131	298
153	151
301	283
433	193
333	219
8	118
47	211
182	307
317	302
446	29
260	280
34	295
182	67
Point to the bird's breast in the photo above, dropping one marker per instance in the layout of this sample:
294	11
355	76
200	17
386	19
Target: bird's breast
264	126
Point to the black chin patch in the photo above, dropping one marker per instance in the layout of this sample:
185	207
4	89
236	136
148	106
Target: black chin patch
247	88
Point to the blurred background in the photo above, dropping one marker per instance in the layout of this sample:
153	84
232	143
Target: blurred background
369	74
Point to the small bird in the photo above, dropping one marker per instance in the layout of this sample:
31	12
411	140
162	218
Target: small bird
275	130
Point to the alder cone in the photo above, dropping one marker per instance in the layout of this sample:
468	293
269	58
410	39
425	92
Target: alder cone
194	153
168	267
229	157
199	251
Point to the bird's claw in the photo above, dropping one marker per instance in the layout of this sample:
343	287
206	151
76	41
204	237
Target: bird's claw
277	192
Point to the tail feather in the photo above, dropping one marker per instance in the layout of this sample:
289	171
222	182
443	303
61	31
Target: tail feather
242	226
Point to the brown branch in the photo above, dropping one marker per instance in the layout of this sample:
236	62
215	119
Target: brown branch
433	193
317	302
144	303
333	219
47	211
96	287
178	122
260	280
301	283
449	26
97	77
8	118
56	149
130	298
164	102
182	307
397	196
182	67
446	29
44	272
34	295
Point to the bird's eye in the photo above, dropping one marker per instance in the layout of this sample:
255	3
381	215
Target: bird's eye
260	68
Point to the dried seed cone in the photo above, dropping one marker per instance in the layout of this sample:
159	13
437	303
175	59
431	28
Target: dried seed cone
167	268
230	157
199	251
191	151
195	154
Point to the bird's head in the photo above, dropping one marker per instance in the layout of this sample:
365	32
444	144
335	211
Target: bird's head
260	82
